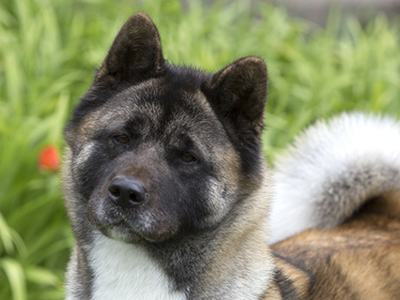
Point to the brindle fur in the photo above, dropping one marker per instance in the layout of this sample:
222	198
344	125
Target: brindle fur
203	224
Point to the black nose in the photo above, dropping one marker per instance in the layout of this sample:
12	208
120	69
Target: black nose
127	192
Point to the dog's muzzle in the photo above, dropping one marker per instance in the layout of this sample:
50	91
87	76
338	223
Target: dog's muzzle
127	192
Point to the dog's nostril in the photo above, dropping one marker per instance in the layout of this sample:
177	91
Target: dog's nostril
127	192
132	197
114	192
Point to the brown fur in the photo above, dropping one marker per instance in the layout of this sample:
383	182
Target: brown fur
357	260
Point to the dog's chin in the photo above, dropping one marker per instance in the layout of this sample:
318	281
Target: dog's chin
133	228
124	233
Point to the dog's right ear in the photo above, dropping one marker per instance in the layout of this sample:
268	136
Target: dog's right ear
239	92
136	53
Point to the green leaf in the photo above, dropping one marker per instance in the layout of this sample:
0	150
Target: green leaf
16	277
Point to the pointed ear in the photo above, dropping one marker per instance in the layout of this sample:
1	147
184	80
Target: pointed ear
136	53
238	92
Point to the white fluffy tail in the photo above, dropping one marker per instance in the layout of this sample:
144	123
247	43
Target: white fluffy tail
333	168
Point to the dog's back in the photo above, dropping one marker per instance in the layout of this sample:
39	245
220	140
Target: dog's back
357	260
346	177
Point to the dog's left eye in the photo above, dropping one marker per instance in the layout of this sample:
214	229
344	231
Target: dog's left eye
121	139
187	157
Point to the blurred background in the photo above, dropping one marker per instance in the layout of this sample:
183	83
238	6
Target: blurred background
324	57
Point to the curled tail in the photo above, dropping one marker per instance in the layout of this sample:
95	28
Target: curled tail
332	169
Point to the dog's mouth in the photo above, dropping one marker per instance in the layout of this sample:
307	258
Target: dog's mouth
126	232
120	232
131	225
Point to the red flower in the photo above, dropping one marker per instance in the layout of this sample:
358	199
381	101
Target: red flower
49	158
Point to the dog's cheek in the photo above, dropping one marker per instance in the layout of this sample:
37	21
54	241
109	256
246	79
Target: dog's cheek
191	202
89	167
218	205
222	189
99	209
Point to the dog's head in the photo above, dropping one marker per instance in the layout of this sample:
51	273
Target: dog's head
155	151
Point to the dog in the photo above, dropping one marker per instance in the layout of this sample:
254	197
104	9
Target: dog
169	197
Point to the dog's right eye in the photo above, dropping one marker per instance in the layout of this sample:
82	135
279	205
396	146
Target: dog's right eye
187	157
121	139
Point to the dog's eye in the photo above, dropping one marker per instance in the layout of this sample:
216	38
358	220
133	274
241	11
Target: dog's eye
187	157
121	139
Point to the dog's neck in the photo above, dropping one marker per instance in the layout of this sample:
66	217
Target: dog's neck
126	271
214	265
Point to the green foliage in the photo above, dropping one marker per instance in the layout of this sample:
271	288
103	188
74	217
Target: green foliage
48	52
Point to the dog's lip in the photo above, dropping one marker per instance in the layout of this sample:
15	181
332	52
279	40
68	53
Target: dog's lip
105	221
117	223
131	233
121	231
102	226
130	225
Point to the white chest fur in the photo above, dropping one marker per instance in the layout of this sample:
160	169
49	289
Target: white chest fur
124	271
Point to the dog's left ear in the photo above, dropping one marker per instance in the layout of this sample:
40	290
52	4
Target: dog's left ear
238	92
136	53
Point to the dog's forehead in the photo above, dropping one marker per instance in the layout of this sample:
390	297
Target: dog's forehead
155	103
133	102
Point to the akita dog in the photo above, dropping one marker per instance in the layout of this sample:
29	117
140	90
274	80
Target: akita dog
169	198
